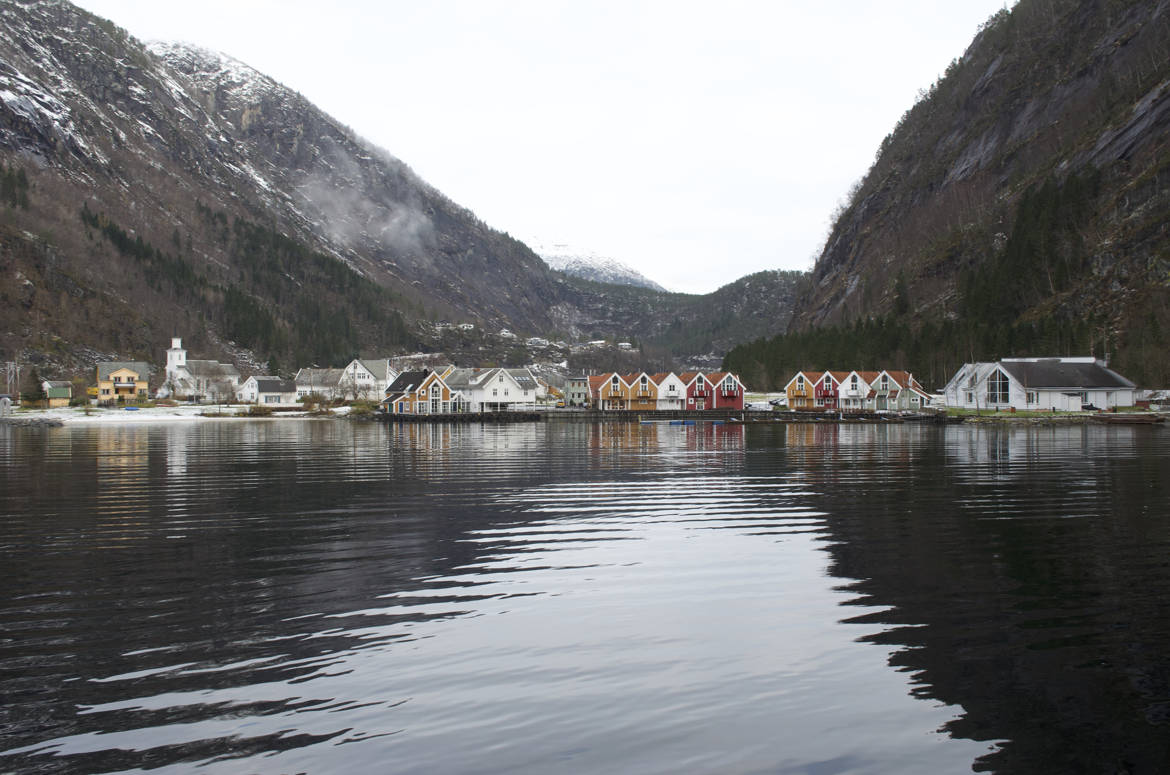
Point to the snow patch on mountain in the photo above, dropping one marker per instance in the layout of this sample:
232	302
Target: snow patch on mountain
591	266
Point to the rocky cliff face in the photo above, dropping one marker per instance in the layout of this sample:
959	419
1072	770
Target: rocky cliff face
1051	91
175	190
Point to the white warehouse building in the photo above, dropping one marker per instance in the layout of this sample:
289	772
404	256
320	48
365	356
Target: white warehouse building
1039	384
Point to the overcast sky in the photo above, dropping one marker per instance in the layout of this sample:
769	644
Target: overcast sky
696	142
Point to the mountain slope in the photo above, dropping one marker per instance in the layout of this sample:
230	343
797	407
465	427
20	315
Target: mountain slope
167	190
1020	207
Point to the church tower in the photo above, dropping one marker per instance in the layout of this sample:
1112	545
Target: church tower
176	357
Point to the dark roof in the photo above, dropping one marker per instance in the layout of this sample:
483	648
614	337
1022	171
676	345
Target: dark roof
275	385
407	381
1062	374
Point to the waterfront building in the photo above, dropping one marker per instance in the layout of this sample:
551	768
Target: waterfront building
1044	384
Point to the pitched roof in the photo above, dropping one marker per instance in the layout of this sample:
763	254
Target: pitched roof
661	377
211	369
106	368
407	381
1056	373
379	367
320	377
58	383
275	385
524	377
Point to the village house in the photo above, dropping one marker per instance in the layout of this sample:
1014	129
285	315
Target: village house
423	392
642	392
728	390
325	383
799	390
1043	384
366	378
122	381
487	390
530	387
577	391
58	393
197	380
609	392
672	392
854	392
268	391
897	391
700	392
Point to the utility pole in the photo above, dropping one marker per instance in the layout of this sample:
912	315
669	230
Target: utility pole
12	377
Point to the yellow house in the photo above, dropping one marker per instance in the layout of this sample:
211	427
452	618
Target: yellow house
642	392
609	391
800	389
122	381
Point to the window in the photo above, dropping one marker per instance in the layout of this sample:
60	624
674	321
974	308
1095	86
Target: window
970	397
435	390
495	391
885	382
800	381
729	384
1031	397
820	402
997	388
272	399
643	380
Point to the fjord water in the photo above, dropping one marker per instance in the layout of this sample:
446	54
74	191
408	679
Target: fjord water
328	597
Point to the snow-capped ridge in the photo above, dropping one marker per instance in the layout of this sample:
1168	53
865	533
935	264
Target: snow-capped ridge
591	266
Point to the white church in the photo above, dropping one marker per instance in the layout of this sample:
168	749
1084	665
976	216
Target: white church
196	380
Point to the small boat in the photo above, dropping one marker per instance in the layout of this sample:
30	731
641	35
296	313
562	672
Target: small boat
1128	419
130	408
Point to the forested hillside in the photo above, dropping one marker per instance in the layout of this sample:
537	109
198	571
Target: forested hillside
1021	207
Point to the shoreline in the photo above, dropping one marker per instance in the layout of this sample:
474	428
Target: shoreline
154	414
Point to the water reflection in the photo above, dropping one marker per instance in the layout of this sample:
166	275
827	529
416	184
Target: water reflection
320	596
1021	574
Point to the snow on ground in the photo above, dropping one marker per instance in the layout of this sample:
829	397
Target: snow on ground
155	414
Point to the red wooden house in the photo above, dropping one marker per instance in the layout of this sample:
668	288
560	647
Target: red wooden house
826	392
700	392
728	390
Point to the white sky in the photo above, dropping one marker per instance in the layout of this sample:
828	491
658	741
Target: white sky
695	142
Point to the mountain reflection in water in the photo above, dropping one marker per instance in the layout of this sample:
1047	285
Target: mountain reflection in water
331	597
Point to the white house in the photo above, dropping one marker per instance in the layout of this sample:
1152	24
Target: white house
197	380
367	378
326	383
1044	384
672	391
491	390
268	391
